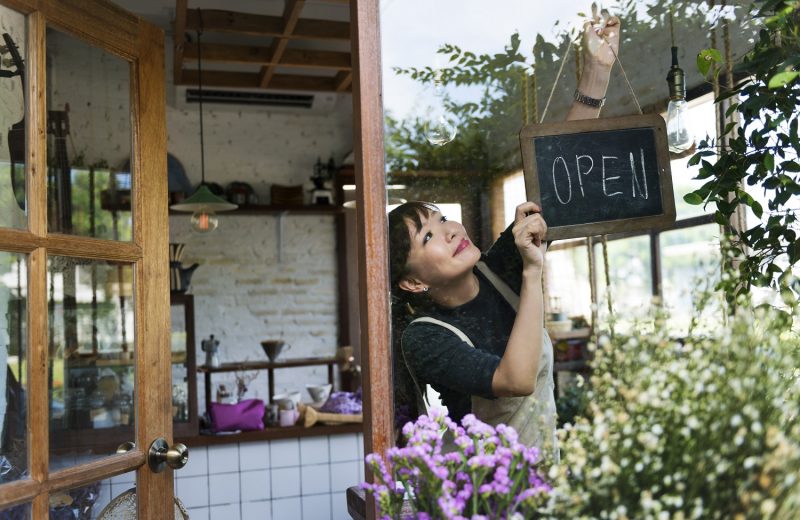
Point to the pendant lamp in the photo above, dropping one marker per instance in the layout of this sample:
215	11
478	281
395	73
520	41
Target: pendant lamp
203	204
679	137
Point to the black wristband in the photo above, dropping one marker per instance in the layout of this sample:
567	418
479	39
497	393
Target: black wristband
589	101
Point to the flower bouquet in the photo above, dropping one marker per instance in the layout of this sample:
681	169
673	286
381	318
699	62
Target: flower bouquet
487	475
704	427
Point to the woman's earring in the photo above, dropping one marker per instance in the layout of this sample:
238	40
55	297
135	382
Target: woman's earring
424	289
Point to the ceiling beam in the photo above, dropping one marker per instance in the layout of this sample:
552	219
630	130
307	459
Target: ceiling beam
291	14
179	39
343	80
248	54
215	20
226	79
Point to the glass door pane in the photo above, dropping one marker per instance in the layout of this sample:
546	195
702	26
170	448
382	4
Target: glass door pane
89	140
91	326
14	375
13	151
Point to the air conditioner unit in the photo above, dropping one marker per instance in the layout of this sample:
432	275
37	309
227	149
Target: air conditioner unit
187	97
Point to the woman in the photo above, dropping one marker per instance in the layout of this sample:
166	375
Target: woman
471	324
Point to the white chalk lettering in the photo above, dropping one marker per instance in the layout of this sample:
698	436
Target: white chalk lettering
634	181
569	181
578	167
605	189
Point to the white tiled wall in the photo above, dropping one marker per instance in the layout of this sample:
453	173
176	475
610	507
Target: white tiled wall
284	479
288	479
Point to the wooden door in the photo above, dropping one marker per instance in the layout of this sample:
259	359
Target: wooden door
84	288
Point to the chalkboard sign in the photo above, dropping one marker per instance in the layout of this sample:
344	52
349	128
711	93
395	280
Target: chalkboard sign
599	176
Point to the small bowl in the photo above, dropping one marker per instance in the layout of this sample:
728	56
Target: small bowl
273	347
319	393
292	397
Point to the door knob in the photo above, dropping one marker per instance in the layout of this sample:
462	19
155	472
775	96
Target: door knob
161	454
125	447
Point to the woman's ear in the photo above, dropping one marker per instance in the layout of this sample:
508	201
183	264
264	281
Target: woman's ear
412	285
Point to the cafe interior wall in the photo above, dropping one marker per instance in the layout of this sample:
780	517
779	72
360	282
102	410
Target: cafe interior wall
260	276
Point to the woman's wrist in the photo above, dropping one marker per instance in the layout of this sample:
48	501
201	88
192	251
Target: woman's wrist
531	273
594	80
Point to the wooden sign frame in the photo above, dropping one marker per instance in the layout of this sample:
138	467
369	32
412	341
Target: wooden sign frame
651	121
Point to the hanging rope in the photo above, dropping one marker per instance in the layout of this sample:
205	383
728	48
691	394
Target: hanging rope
535	101
592	286
526	111
608	285
558	75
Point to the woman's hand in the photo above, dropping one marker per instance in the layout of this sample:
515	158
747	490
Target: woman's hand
600	48
530	231
601	39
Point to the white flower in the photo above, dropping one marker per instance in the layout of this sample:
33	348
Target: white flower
768	507
736	420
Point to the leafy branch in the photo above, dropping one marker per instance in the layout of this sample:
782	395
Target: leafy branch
761	154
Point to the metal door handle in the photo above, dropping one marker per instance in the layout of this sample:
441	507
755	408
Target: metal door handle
161	455
125	447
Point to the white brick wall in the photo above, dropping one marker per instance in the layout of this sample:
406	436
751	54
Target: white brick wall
246	292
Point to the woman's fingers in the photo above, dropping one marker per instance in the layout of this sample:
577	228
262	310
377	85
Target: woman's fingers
525	209
531	227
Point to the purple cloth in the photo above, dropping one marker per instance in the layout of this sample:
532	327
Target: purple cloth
245	415
343	402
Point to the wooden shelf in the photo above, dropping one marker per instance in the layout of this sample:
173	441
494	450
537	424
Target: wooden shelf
272	433
276	209
570	334
267	365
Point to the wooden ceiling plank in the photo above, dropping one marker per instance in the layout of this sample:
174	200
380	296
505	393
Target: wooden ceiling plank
216	20
343	80
291	14
250	54
226	79
178	39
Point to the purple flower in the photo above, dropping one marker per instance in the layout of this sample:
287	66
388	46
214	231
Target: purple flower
482	478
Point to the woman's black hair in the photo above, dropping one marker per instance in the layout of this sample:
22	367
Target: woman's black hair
405	305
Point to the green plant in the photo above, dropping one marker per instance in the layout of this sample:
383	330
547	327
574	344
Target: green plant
761	153
572	403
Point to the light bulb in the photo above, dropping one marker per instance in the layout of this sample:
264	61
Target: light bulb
204	221
679	138
439	131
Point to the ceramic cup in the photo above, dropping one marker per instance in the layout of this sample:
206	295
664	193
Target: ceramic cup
289	417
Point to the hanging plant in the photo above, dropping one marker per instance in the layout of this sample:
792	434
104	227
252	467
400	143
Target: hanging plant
762	153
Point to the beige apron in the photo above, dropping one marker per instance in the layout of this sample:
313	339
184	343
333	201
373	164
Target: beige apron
532	416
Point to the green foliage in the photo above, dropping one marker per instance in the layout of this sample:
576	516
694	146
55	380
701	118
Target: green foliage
761	153
571	404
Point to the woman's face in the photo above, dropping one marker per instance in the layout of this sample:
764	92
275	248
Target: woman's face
441	253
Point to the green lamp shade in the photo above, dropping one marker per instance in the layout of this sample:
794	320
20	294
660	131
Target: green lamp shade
204	200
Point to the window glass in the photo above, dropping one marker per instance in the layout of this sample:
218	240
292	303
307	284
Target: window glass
630	284
690	269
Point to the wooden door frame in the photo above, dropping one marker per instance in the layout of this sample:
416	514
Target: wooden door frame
102	24
372	226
